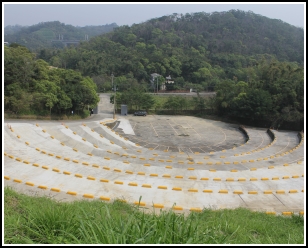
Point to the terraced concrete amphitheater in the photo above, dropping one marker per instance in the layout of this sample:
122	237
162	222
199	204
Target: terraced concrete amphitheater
157	162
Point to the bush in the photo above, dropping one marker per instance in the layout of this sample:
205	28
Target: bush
85	114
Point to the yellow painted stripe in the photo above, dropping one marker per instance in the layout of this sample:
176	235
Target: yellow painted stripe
253	192
280	191
104	198
88	196
196	209
271	213
139	203
71	192
177	188
230	179
293	191
286	213
237	192
146	185
177	208
267	192
155	205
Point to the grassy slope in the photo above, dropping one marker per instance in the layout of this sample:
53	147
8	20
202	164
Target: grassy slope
43	221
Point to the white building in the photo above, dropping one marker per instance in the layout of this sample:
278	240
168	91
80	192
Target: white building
168	81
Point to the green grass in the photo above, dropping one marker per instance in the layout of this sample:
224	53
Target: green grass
40	220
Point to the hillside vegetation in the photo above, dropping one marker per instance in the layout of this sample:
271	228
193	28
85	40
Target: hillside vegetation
255	64
39	36
193	47
31	86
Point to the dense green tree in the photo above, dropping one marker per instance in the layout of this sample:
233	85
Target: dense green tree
254	104
135	98
176	103
19	62
32	86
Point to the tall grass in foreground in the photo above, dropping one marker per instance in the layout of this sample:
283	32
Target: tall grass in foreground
39	220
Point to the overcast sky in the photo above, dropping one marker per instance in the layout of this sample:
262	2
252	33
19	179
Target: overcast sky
85	14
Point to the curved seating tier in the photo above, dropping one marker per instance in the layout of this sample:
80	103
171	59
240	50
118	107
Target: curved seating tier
93	161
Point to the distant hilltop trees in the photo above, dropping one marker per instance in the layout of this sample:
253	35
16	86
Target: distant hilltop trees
39	36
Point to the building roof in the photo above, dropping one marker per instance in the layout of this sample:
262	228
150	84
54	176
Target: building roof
155	74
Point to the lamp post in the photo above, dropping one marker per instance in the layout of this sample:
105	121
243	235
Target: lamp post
114	99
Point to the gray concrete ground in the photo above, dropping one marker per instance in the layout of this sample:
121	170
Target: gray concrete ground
168	161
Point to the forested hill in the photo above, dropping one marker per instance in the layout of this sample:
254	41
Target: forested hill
255	65
39	36
234	31
220	44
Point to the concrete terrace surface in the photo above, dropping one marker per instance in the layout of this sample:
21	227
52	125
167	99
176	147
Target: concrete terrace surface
179	162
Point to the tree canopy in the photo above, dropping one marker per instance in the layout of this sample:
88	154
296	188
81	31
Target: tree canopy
254	63
32	86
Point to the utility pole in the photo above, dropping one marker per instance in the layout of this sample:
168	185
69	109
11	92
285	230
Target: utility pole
114	99
157	85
